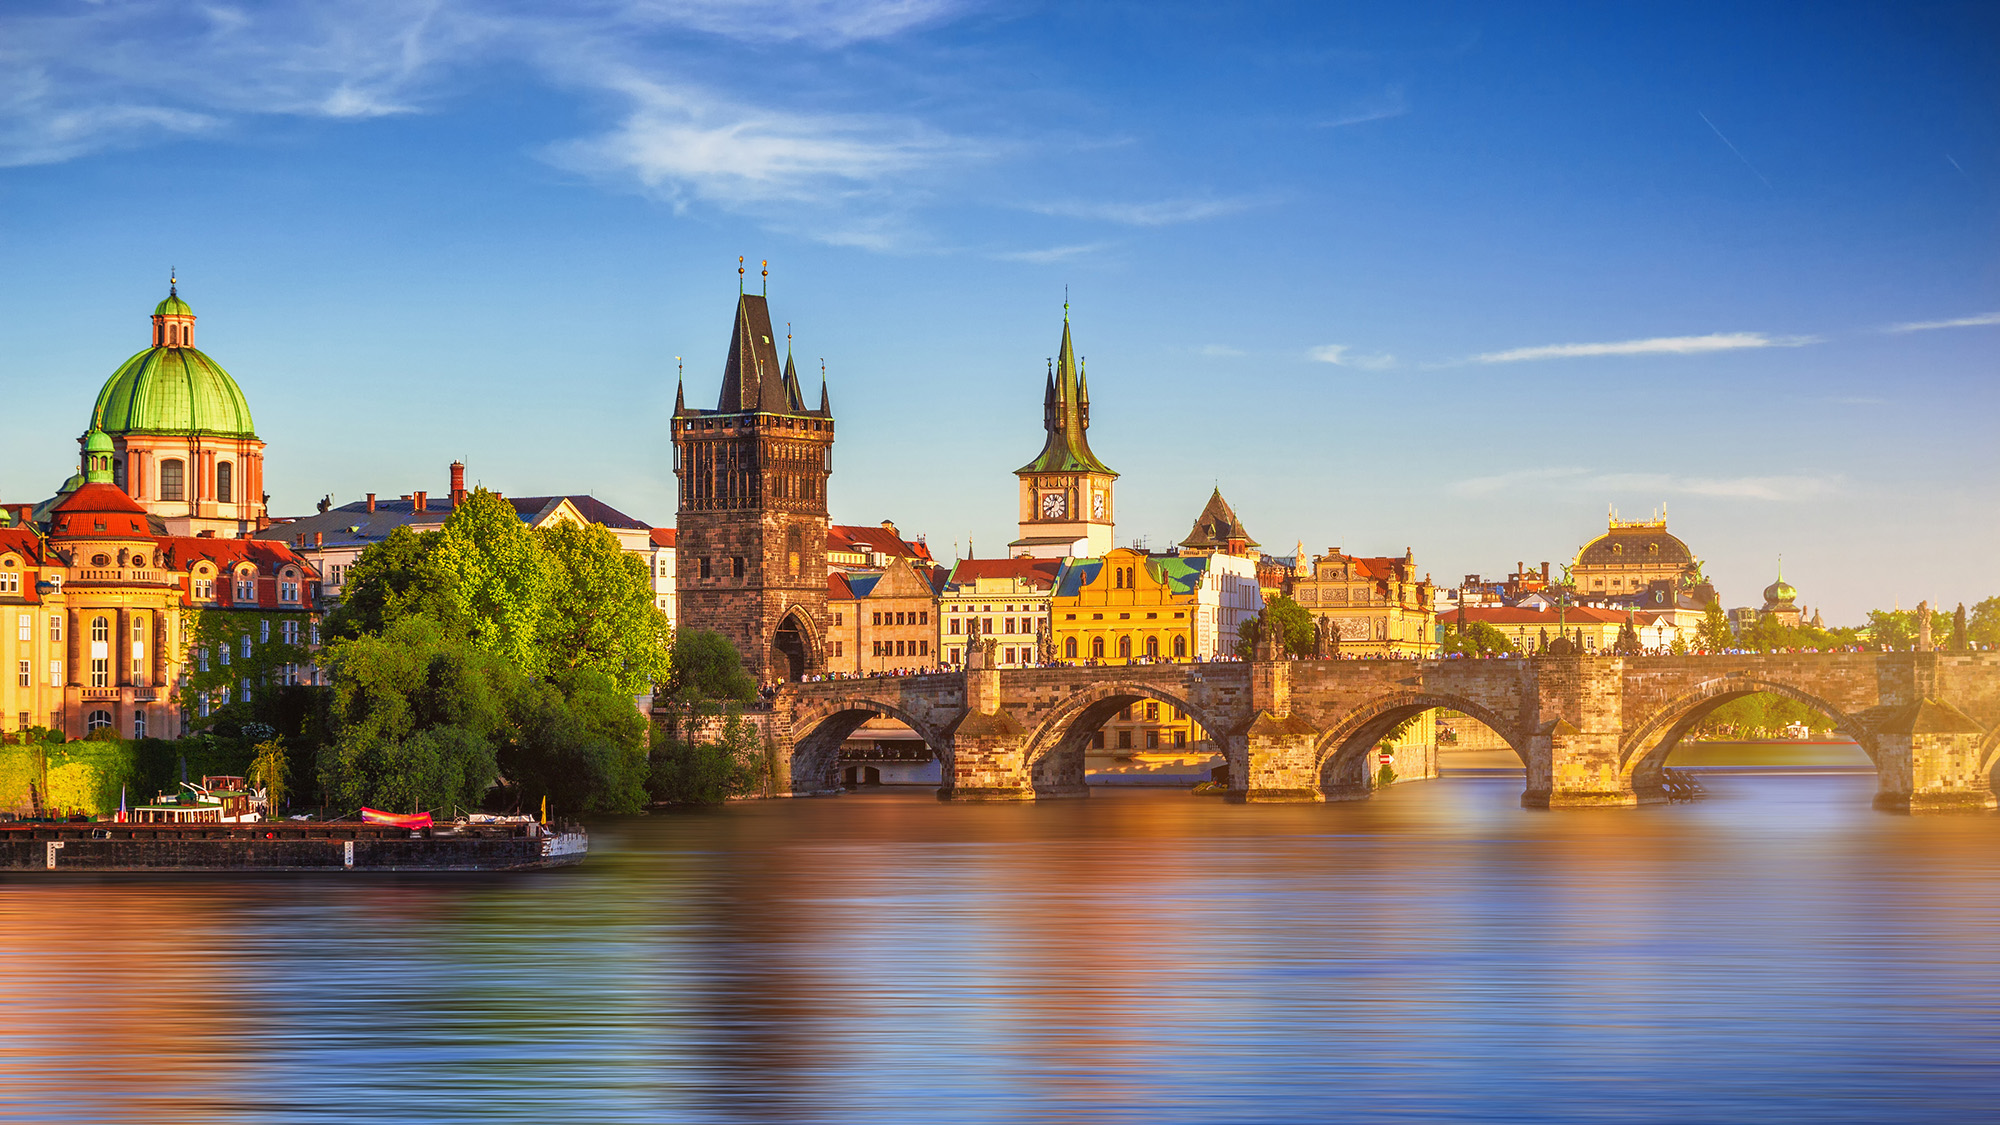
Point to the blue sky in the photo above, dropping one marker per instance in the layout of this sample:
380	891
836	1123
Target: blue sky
1450	278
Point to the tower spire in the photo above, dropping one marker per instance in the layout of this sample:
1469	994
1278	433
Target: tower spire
739	275
767	280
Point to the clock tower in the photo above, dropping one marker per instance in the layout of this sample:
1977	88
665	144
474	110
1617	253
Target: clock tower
1066	503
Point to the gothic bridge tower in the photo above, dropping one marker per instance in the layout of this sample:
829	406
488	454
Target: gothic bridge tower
752	524
1066	505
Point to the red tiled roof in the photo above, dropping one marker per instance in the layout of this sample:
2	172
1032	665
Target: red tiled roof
663	536
99	497
837	589
866	537
1041	572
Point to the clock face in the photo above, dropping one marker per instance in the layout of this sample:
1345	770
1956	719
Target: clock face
1053	506
1097	503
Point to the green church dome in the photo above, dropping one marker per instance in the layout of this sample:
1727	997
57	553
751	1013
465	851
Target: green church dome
173	391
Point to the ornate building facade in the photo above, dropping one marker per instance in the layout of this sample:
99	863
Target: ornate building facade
1632	556
1378	606
1067	507
751	534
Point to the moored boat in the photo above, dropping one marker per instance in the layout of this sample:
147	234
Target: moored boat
472	844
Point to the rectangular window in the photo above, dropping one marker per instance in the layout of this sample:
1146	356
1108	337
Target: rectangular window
204	588
288	591
100	671
138	668
222	655
1180	738
10	582
1010	656
1152	740
923	648
27	626
839	648
263	632
899	649
955	623
878	619
1152	712
290	631
877	649
1124	740
246	588
705	568
246	642
1007	625
314	633
24	720
55	673
27	672
838	618
736	567
924	618
55	627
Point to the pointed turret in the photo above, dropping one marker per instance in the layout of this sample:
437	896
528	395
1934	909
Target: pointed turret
1082	395
1064	416
795	398
1218	530
824	408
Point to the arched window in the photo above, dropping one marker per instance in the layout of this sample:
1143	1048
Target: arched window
1069	648
1124	648
1180	648
1152	648
1097	648
100	630
98	721
172	477
225	475
138	722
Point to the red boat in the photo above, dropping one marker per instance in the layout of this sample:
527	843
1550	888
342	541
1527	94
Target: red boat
400	820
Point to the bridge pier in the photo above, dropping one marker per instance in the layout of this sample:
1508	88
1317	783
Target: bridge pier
1282	748
1928	760
1573	749
989	759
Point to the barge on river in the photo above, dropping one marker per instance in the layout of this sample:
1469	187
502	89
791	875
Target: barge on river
497	844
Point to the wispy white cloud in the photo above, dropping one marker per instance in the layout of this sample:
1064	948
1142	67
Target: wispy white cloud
1658	345
680	142
1980	321
821	22
1589	481
1051	254
1158	213
1389	103
1337	354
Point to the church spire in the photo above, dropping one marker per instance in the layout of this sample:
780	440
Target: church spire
1065	415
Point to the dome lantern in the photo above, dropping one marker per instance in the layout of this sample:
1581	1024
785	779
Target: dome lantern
173	320
171	387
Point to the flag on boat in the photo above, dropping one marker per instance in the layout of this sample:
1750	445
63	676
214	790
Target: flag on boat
400	820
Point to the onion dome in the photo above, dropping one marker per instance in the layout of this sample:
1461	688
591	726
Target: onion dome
1780	592
171	387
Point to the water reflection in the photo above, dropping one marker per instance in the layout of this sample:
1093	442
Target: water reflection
1138	957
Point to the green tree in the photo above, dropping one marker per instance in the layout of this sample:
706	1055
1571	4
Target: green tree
391	580
706	680
268	771
1479	639
1714	635
581	745
494	570
600	610
1295	621
416	711
1983	628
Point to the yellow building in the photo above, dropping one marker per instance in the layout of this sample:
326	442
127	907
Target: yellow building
1631	556
1130	607
1377	605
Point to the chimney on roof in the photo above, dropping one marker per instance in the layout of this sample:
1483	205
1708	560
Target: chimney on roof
889	526
421	501
371	503
457	483
319	539
1545	573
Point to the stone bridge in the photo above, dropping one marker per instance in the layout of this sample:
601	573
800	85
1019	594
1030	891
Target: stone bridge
1590	730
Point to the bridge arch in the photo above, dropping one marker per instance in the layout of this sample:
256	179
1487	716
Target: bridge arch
1054	750
818	731
1341	756
1989	752
1645	750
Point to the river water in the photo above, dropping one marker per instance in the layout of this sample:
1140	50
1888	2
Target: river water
1777	951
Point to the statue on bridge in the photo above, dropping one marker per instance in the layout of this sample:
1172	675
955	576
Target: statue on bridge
1326	639
1045	644
1924	627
